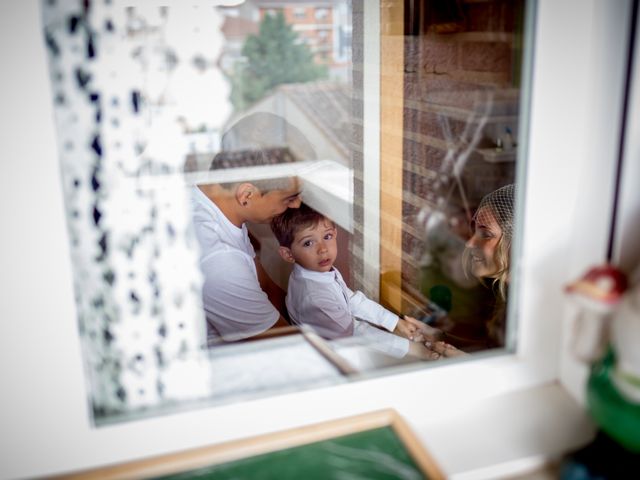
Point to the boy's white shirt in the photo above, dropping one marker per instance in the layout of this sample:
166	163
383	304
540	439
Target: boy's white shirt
323	301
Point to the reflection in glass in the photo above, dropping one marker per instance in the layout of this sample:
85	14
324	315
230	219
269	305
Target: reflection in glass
460	96
149	98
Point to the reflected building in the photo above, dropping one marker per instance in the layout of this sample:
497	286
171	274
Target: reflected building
323	25
458	99
297	122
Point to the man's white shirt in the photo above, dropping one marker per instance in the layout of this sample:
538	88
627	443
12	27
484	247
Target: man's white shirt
235	305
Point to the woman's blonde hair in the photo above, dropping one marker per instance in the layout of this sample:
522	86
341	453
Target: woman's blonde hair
501	258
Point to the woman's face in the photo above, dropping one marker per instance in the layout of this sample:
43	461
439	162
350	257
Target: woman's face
482	245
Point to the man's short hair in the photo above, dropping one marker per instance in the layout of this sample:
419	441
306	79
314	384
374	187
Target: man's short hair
255	158
264	185
291	221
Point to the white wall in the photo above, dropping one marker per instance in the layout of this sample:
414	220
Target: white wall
39	355
581	139
44	419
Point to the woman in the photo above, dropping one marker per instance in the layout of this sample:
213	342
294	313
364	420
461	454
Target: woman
486	256
488	252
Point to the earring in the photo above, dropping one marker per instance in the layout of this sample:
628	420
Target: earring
245	203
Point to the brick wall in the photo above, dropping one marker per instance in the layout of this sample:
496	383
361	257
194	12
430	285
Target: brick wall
358	280
452	78
449	78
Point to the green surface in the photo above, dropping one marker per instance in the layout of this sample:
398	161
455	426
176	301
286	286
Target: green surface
461	303
469	309
617	416
373	454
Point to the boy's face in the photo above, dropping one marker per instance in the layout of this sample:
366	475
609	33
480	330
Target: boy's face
314	248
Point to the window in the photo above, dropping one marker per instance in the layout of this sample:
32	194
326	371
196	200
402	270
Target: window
300	12
448	135
567	214
322	13
460	102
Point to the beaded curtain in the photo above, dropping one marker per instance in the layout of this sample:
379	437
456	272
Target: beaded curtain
134	254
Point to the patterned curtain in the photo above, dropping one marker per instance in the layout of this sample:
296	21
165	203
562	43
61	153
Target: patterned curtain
137	282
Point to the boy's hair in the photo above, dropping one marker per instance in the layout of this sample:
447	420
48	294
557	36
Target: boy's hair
292	220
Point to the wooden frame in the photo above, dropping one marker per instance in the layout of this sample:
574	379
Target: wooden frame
391	151
190	460
310	336
392	74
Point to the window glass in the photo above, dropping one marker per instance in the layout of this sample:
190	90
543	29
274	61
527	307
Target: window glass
447	185
183	130
322	13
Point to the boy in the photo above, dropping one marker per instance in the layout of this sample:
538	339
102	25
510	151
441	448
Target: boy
318	296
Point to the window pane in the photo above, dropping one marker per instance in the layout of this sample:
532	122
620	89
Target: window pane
449	133
397	121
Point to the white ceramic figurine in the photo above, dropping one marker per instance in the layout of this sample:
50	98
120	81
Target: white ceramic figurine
607	334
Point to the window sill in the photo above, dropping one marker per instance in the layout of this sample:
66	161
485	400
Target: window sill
494	439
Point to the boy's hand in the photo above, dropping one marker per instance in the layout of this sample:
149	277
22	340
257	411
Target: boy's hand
407	329
421	332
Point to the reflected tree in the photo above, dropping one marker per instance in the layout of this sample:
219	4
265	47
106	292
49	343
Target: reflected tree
272	57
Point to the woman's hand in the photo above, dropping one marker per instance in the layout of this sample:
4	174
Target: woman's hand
420	351
444	349
418	331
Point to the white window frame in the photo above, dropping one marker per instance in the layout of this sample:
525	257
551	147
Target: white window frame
626	246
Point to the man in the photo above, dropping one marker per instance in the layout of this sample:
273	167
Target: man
238	295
